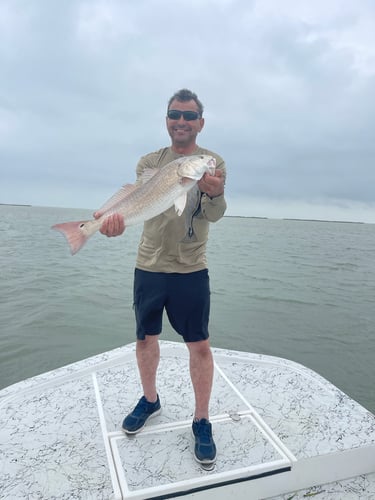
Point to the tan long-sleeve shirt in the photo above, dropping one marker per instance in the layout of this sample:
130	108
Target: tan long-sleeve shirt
161	248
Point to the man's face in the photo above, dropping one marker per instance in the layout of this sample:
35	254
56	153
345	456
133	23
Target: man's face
182	131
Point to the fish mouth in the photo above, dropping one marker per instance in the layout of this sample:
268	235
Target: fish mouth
211	164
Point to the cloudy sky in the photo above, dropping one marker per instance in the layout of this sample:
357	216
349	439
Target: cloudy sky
288	88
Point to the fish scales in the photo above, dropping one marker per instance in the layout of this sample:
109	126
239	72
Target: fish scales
160	190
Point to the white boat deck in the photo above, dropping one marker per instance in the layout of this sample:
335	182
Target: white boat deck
280	430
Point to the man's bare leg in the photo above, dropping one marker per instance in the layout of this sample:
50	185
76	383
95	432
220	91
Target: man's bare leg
201	373
148	356
148	353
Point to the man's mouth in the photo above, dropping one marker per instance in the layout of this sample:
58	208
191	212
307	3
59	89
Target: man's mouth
180	129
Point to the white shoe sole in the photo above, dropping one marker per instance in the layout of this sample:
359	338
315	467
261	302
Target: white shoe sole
205	464
131	433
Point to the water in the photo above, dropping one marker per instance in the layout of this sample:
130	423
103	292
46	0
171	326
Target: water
296	289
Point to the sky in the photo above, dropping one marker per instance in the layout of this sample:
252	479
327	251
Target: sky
288	89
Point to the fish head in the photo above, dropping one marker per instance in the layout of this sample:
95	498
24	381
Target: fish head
194	167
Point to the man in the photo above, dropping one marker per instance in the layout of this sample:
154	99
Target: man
172	274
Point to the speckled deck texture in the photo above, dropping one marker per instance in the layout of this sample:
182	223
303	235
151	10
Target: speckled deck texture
281	430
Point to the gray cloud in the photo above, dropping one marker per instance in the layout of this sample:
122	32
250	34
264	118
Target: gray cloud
287	88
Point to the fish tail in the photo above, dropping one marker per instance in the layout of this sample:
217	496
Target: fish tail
75	234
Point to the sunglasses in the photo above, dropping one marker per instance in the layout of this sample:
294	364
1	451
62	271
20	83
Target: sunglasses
175	114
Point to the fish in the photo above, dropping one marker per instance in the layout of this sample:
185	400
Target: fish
158	190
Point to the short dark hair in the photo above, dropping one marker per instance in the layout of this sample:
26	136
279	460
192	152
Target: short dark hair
185	95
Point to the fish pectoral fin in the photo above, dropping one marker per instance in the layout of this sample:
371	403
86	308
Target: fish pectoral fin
117	197
179	203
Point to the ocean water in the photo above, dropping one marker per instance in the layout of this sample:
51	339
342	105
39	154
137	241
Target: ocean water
301	290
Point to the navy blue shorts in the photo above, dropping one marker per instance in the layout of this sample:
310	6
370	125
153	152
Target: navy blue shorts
185	298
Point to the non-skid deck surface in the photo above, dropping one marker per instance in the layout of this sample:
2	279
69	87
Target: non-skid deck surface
278	428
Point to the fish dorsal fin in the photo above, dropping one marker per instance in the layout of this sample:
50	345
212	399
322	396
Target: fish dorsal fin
118	197
147	174
179	203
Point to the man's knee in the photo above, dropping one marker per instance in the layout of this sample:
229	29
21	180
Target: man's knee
201	348
148	341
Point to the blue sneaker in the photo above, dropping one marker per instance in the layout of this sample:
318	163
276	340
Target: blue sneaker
136	420
204	449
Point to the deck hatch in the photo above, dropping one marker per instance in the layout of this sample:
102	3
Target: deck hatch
159	460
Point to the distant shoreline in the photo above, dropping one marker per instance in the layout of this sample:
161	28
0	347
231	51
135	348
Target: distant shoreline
233	216
297	220
323	220
15	205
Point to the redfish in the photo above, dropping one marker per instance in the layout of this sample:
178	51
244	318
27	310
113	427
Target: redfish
158	190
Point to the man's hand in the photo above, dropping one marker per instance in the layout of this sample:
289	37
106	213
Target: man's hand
212	185
112	226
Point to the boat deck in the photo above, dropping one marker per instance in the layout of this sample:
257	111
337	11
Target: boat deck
280	430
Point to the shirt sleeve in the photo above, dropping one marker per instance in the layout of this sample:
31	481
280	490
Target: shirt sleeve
213	209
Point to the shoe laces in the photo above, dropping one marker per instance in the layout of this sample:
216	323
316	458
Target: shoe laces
204	430
142	406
